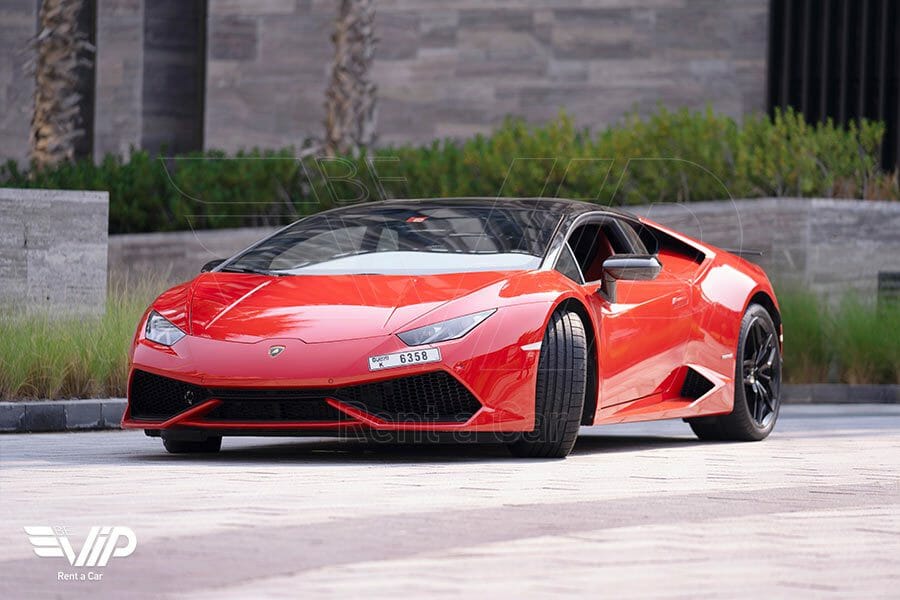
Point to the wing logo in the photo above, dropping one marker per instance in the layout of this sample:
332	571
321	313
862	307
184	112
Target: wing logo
102	544
275	350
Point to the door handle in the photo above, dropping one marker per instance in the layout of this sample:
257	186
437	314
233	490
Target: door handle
678	301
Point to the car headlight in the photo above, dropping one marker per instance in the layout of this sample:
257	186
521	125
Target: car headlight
450	329
161	330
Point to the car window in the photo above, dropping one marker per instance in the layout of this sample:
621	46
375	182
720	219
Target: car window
637	234
593	243
567	265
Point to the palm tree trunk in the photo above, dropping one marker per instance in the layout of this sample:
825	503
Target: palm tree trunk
54	62
350	105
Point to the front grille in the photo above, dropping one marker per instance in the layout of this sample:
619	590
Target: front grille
429	397
288	408
155	397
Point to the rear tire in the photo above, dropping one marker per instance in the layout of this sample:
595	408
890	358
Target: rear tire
559	394
208	446
757	384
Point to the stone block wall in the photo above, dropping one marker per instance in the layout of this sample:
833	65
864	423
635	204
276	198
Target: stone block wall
457	68
173	75
119	72
18	24
53	248
442	68
825	245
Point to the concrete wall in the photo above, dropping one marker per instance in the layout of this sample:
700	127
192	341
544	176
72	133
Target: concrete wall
457	68
829	246
53	250
18	23
177	256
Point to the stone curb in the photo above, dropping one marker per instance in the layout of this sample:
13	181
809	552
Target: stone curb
61	415
81	415
839	393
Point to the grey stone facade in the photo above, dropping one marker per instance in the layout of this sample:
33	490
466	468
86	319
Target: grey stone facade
53	247
119	70
442	68
173	76
18	21
457	68
825	245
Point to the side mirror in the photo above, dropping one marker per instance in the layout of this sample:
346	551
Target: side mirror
211	265
629	267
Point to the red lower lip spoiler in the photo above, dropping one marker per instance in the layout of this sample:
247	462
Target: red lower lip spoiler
376	423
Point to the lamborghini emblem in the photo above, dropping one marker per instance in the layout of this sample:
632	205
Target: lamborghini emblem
275	350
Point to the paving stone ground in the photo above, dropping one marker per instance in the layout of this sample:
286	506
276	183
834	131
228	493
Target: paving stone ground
636	511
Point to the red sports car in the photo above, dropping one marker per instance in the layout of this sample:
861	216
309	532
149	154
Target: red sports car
513	320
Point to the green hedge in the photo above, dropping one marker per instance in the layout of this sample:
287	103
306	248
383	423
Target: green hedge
667	157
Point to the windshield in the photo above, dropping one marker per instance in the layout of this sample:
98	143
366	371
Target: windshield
404	240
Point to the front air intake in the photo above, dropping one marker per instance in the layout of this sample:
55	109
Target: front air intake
429	397
435	397
156	398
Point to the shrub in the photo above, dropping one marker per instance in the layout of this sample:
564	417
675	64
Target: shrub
867	341
807	344
48	357
851	342
669	156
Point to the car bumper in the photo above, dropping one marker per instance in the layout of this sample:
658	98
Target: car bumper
487	378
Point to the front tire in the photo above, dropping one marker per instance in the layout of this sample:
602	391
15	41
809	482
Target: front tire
757	384
208	446
559	394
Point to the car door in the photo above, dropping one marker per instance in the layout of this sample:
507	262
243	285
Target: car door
644	330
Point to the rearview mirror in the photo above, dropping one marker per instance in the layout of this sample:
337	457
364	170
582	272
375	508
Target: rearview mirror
211	265
629	267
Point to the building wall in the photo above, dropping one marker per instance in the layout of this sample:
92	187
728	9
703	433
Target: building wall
18	23
457	68
442	69
267	67
173	75
119	71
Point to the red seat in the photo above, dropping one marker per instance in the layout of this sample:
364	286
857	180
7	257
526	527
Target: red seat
603	251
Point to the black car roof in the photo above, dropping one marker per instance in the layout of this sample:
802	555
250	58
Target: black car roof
560	206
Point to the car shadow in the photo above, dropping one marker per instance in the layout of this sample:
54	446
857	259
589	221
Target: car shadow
349	451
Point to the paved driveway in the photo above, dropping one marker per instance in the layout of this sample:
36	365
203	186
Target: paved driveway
637	510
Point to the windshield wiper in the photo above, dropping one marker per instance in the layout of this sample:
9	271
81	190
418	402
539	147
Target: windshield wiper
249	270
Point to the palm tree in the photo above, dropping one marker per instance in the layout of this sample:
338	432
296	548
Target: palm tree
350	100
57	54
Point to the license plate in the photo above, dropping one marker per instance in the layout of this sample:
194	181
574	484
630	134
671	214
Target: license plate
402	359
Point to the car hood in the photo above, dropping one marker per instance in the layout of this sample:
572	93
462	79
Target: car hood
315	308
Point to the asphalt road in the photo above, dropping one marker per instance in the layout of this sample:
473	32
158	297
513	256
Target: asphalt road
636	511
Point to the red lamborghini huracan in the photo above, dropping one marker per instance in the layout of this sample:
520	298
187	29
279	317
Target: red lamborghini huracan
515	320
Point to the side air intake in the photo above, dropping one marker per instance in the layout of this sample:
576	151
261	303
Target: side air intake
695	385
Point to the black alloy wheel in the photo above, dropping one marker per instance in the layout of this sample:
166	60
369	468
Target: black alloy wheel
762	372
757	384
